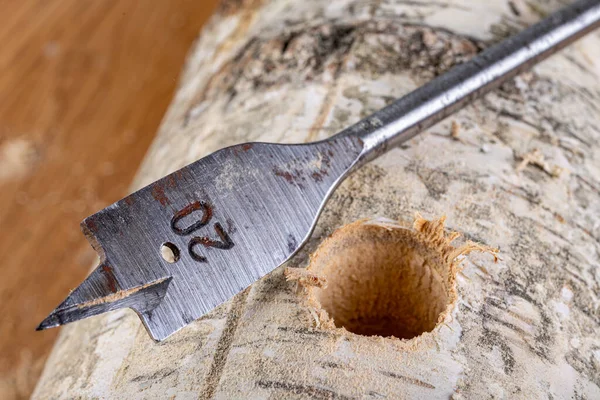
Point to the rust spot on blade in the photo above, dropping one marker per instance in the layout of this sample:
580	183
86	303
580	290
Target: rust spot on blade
284	174
322	166
128	200
224	244
113	285
171	182
244	148
326	159
295	177
91	224
196	205
158	192
187	210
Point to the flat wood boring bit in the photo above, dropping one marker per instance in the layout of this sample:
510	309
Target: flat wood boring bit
188	242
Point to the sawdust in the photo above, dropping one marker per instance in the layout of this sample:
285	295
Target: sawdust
120	295
385	279
455	130
305	277
535	157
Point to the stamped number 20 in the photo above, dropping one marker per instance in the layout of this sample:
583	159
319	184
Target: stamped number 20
222	241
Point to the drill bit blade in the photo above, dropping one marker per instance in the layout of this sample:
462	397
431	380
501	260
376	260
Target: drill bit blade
143	299
181	246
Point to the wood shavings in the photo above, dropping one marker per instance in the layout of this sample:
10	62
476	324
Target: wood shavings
455	130
535	157
120	295
433	233
305	277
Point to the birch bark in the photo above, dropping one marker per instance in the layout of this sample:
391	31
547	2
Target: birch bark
527	326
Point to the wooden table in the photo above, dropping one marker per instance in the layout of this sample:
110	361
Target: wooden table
83	87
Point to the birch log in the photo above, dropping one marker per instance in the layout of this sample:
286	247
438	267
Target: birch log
517	170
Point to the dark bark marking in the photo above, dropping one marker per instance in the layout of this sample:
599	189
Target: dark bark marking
220	357
330	364
300	389
490	339
261	341
325	48
579	65
156	376
487	316
408	379
306	331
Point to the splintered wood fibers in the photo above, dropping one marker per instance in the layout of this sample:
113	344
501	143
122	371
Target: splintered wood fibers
377	277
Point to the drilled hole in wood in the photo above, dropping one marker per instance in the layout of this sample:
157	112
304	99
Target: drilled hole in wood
381	281
169	252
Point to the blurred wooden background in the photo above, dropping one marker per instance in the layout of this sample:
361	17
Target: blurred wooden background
83	87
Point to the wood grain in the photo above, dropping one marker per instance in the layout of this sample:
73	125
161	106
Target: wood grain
83	87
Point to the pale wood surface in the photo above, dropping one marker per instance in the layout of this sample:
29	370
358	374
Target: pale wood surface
83	87
527	326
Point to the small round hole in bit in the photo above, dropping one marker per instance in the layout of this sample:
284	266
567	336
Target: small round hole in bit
169	252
